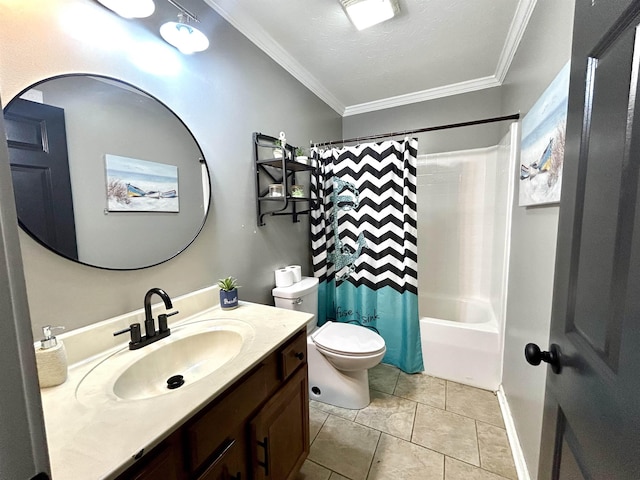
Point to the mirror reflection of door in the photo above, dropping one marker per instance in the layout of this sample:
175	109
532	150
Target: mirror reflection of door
36	137
592	406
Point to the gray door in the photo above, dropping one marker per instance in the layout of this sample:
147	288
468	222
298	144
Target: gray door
23	445
592	407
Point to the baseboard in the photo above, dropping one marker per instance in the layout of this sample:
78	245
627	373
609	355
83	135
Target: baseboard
512	434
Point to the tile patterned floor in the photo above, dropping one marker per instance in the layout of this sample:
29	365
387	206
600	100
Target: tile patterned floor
416	427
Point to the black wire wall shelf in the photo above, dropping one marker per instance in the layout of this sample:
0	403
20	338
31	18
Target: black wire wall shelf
283	171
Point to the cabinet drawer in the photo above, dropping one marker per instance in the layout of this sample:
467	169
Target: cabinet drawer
293	355
229	462
163	463
208	432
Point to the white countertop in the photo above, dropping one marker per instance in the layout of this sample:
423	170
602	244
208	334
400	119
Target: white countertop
89	440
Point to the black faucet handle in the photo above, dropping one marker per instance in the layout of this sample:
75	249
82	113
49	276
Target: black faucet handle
134	328
162	321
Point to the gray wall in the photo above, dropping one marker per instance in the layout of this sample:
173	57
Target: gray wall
441	111
223	95
544	50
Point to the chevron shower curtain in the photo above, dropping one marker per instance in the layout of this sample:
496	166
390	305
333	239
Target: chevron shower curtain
364	242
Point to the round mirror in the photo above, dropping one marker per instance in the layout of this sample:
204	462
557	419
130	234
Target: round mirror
104	174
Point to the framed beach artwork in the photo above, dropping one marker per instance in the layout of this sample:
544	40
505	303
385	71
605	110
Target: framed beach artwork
542	147
135	185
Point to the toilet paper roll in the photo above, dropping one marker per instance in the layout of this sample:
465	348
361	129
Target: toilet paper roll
297	272
284	277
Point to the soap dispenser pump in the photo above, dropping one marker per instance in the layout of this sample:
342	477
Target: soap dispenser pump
51	359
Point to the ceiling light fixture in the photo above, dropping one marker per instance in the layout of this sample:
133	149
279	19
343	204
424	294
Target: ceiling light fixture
182	35
366	13
130	8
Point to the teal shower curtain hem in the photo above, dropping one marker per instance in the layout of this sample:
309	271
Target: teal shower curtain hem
379	310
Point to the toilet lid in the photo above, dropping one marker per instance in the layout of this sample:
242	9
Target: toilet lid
348	338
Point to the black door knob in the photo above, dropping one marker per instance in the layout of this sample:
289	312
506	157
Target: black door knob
534	356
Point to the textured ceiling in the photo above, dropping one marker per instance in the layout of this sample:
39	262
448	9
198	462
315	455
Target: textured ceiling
433	48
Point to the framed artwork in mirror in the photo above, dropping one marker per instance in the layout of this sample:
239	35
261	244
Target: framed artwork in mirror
135	185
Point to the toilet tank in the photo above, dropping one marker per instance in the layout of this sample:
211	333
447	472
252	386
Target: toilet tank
302	296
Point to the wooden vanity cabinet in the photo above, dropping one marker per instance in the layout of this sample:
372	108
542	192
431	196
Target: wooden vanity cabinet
258	428
229	462
279	440
163	463
208	436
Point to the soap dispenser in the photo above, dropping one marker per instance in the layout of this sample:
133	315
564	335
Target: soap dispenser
51	359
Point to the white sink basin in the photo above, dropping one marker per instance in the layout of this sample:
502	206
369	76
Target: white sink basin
194	351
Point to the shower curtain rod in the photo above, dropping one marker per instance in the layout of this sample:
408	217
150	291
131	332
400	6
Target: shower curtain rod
514	116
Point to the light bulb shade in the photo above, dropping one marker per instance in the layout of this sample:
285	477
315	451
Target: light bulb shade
366	13
184	37
130	8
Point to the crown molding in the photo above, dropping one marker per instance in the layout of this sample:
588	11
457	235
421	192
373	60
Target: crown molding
430	94
234	14
514	36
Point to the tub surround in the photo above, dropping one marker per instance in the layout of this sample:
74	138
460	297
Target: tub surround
460	341
92	441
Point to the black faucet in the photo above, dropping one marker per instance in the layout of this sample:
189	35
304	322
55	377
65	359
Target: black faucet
149	324
151	335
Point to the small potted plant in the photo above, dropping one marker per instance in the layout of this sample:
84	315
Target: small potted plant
300	156
297	191
277	152
228	293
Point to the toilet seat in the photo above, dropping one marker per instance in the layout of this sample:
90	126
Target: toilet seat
348	339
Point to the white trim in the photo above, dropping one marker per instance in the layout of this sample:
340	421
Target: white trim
431	94
233	13
516	32
512	435
514	152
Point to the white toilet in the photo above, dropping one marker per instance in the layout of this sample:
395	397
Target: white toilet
338	354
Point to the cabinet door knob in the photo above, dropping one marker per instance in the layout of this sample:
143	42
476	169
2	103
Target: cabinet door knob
300	355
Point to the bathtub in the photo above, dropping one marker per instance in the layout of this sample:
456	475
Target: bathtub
460	340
